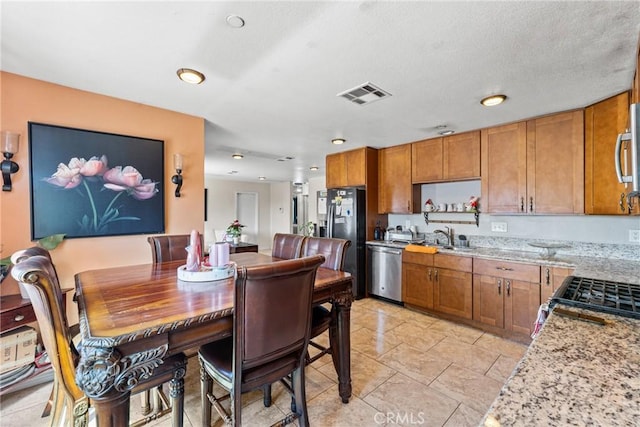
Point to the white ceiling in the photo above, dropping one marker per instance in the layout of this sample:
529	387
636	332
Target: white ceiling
271	86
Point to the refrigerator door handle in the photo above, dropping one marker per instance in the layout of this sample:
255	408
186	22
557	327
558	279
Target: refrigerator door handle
330	219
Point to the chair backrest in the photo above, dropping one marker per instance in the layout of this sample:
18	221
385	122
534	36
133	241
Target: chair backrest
34	270
272	312
170	247
287	246
334	250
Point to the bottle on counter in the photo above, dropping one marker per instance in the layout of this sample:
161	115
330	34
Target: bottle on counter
377	232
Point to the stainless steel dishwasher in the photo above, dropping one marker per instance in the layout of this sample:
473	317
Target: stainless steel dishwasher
385	272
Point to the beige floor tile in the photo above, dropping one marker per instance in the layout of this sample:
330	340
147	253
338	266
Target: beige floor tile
469	387
326	410
376	321
366	374
508	348
464	416
502	368
463	354
403	401
454	330
414	363
373	344
416	336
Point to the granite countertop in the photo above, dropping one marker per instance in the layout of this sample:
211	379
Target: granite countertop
603	268
574	373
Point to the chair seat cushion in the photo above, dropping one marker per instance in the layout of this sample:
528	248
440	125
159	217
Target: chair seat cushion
320	320
217	359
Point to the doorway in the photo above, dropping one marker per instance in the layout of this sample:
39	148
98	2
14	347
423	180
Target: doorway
247	214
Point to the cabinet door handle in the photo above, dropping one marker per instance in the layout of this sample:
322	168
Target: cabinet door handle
504	268
429	274
547	276
436	275
531	204
508	282
18	318
521	204
499	286
621	203
409	205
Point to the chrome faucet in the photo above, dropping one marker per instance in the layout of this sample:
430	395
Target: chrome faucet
448	234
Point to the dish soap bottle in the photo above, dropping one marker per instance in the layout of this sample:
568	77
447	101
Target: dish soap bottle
377	232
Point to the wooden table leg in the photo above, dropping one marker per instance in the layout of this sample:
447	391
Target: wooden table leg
340	336
112	411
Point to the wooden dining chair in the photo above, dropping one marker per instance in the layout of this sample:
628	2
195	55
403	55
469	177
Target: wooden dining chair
34	270
335	252
271	327
170	247
287	246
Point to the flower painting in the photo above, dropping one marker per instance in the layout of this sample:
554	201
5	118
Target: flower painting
88	183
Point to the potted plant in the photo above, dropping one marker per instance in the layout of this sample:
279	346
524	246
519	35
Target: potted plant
234	230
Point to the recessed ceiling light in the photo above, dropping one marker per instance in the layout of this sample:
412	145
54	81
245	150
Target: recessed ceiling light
190	76
338	141
314	168
237	156
262	178
446	132
492	100
235	21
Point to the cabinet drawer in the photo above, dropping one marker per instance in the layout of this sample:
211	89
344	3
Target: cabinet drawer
508	270
17	317
417	258
453	262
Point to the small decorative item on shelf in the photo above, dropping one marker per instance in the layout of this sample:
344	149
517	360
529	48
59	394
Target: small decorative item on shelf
472	206
429	206
234	230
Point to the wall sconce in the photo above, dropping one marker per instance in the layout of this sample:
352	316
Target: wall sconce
177	178
10	143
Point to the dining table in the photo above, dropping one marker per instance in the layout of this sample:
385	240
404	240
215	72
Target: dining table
131	317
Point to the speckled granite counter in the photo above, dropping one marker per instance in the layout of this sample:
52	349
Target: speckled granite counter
575	373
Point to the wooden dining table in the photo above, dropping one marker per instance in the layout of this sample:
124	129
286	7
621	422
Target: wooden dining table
133	316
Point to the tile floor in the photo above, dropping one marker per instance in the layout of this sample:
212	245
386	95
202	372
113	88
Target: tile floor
407	368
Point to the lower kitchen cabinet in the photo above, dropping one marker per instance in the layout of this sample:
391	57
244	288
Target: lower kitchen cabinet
417	279
552	278
453	286
506	295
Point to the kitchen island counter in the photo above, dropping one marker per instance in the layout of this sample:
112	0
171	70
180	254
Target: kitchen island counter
575	373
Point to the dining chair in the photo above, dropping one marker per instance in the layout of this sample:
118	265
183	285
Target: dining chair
170	247
287	246
271	327
34	270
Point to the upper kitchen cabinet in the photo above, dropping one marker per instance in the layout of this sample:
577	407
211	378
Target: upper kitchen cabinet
451	158
555	164
397	195
534	167
602	124
348	168
504	163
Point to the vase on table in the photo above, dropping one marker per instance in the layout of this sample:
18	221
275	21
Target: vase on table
236	240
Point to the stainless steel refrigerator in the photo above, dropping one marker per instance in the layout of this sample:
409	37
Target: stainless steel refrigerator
346	219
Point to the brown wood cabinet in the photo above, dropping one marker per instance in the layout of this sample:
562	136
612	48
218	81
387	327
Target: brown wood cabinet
506	294
453	286
397	195
451	158
417	279
552	278
535	166
347	169
604	195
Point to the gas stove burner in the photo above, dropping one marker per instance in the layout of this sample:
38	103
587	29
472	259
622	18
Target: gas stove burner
618	298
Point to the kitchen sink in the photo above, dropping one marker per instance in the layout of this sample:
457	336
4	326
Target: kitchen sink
451	248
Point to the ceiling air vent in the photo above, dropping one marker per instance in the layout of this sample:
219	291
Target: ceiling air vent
364	94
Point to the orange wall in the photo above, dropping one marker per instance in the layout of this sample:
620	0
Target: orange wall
24	99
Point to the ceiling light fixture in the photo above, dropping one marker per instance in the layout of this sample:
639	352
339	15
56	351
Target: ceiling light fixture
235	21
314	168
492	100
190	76
262	178
446	132
338	141
237	156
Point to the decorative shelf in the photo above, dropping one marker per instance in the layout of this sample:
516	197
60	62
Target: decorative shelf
476	218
